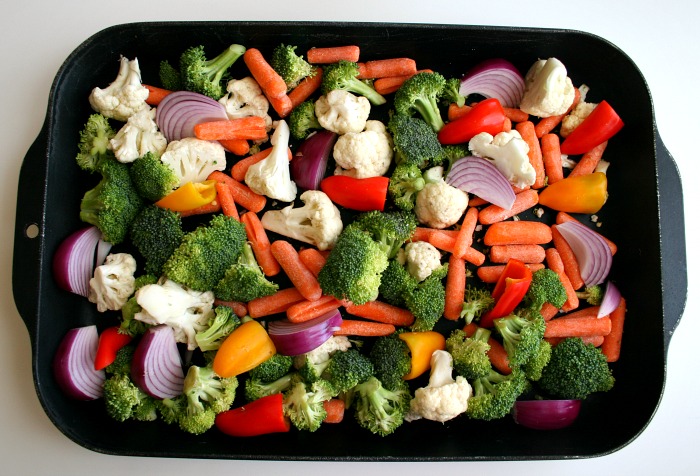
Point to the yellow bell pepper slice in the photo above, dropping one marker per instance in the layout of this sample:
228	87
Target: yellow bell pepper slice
246	347
422	345
189	196
580	194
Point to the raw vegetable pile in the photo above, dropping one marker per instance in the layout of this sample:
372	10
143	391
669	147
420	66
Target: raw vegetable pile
319	236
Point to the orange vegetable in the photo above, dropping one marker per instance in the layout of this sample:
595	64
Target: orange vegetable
333	54
189	196
580	194
422	345
245	348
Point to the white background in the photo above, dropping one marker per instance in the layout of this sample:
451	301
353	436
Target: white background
662	38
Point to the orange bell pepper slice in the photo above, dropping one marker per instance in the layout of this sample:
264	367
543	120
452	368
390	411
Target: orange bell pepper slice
580	194
189	196
246	347
422	345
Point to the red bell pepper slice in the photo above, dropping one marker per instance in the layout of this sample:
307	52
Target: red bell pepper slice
259	417
365	194
111	340
485	116
511	287
600	125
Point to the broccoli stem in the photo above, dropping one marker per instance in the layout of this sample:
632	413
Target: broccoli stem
357	86
217	67
429	111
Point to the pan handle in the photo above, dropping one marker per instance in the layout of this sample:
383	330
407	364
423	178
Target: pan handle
673	258
29	232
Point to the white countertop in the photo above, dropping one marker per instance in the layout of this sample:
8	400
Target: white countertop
663	39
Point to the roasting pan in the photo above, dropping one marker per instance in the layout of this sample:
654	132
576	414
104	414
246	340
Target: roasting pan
644	215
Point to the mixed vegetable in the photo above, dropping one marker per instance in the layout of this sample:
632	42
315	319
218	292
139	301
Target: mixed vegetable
277	243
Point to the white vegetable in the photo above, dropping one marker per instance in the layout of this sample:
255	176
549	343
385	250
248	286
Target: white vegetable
508	152
342	112
318	222
572	120
193	159
271	176
244	99
138	136
445	397
422	259
364	154
124	96
113	282
439	204
321	356
185	310
548	89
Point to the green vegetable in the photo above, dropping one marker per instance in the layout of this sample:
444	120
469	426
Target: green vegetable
495	394
477	301
415	142
204	76
420	94
169	76
156	233
545	287
94	142
153	179
122	361
244	280
389	229
303	120
343	75
221	324
303	404
592	294
396	283
391	359
288	64
534	366
347	369
404	184
378	409
273	368
427	301
452	153
521	333
125	401
450	94
469	354
255	388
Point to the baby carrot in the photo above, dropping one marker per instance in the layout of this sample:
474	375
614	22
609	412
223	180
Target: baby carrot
306	310
155	94
613	341
228	205
306	88
281	104
465	236
490	273
455	112
333	54
571	266
446	242
300	276
564	217
379	311
250	127
242	194
527	132
236	146
589	161
518	232
422	233
454	287
555	263
524	253
578	327
523	201
269	80
239	308
507	125
586	312
516	115
356	327
388	67
391	84
274	303
259	241
212	207
551	157
312	259
548	311
335	410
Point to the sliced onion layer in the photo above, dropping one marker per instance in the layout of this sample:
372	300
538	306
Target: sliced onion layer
611	299
546	414
480	177
179	112
495	78
291	338
308	165
76	258
74	364
592	252
157	366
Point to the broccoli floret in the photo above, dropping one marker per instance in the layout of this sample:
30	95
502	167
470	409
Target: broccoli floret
169	76
576	370
205	76
391	359
94	142
244	280
153	178
129	325
303	120
206	391
303	404
427	301
477	301
255	388
469	354
196	422
311	365
404	184
121	397
122	361
288	64
545	287
592	294
415	141
521	333
450	94
156	233
378	409
171	409
452	153
396	283
206	253
343	75
146	409
220	325
533	367
495	394
389	229
420	94
354	267
347	369
273	368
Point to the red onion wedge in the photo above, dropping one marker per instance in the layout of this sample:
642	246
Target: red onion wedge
157	367
546	414
292	338
76	258
592	252
495	78
611	299
179	112
480	177
74	364
308	165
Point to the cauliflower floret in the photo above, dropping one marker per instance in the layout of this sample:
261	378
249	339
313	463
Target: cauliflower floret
124	96
439	204
508	152
244	99
422	259
572	120
445	397
113	282
271	176
342	112
548	90
318	222
193	159
364	154
138	136
185	310
323	353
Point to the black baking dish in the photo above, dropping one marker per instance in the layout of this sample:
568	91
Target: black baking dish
645	197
